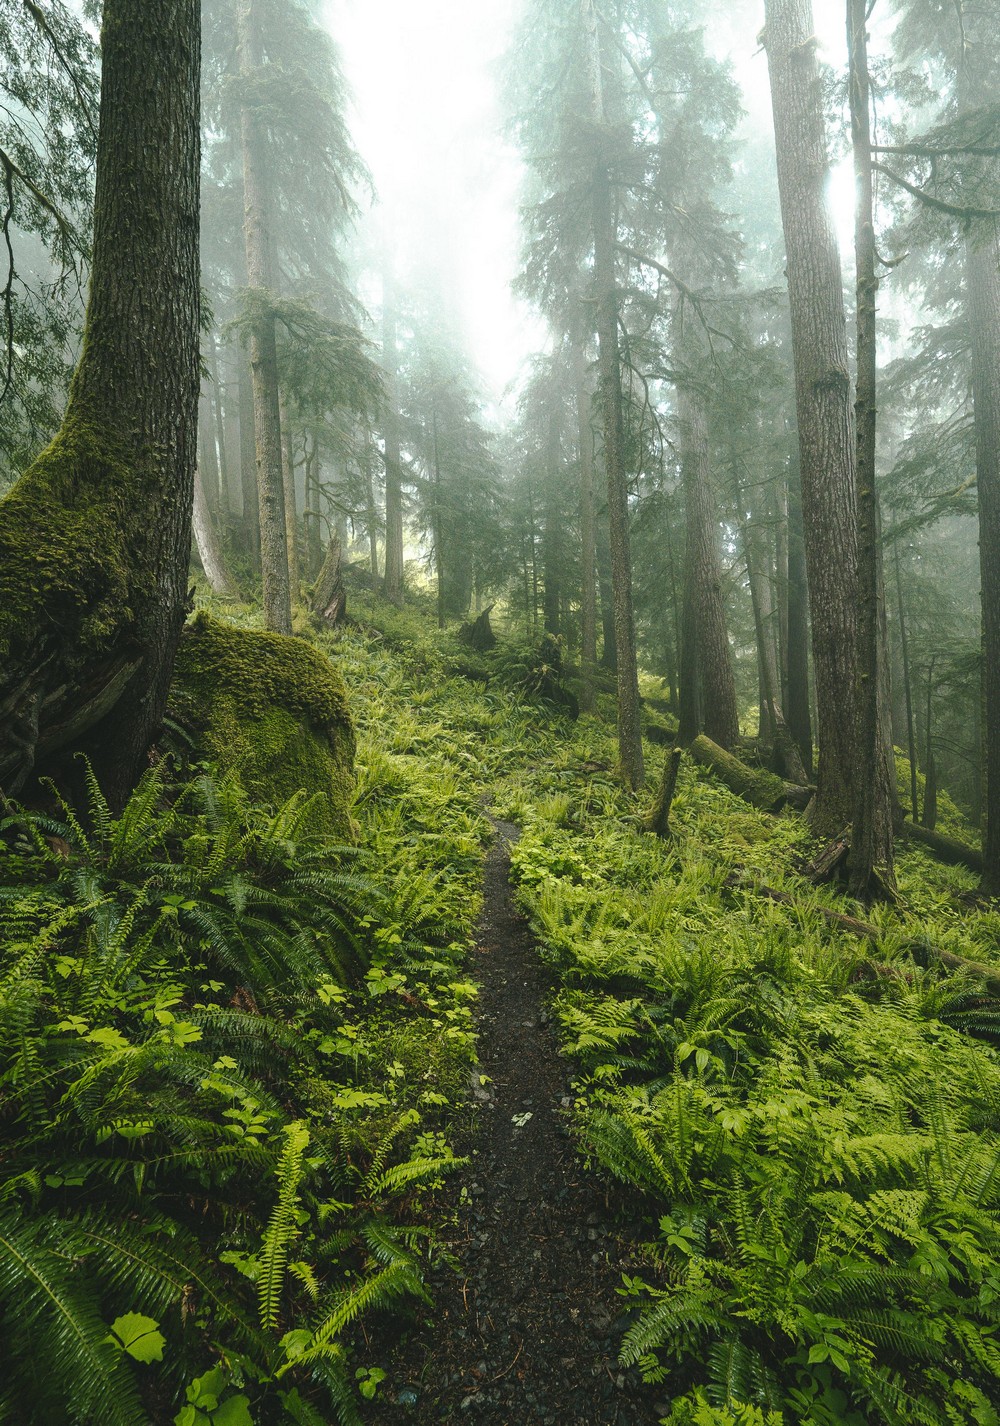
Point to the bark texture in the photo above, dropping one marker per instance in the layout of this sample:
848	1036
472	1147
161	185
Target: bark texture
95	539
823	396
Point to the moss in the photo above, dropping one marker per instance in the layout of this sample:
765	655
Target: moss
273	710
658	727
63	540
761	789
951	821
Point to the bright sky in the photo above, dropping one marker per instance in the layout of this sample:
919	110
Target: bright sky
427	121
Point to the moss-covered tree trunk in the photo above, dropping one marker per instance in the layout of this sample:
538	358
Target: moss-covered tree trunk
95	539
263	343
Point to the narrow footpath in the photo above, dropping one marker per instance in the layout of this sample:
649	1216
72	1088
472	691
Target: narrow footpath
529	1328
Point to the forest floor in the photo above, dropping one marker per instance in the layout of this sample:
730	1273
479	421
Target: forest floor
529	1326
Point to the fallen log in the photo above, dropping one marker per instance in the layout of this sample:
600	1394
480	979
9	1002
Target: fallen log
919	947
947	849
764	790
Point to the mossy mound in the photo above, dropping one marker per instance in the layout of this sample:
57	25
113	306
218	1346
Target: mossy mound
271	709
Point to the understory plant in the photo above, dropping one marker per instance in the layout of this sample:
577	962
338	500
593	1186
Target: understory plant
208	1172
811	1123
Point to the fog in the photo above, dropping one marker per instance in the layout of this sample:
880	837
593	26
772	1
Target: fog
426	115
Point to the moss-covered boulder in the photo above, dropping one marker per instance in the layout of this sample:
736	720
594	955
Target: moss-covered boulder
273	710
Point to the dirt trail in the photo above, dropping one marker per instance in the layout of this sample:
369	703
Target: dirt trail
528	1331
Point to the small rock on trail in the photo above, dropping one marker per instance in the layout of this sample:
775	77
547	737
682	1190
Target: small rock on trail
528	1329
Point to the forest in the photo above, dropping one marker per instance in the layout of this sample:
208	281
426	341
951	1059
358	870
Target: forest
500	712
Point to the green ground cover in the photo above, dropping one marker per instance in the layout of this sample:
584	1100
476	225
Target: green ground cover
237	1055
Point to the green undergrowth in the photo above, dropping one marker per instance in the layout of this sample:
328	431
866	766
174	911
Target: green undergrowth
237	1052
810	1119
237	1058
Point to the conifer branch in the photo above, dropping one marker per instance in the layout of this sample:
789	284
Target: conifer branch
939	205
39	18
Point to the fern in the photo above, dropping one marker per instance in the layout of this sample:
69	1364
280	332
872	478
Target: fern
282	1229
49	1318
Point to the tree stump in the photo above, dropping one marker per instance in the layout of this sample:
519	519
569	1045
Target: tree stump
659	818
328	601
478	633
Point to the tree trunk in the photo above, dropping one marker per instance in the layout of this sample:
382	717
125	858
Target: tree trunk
248	467
689	698
823	397
756	555
609	366
208	461
588	531
328	600
95	539
216	405
478	634
393	585
781	589
207	542
609	654
703	574
659	818
904	643
437	523
371	516
798	709
929	817
983	299
786	756
314	504
872	866
257	218
552	533
291	507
